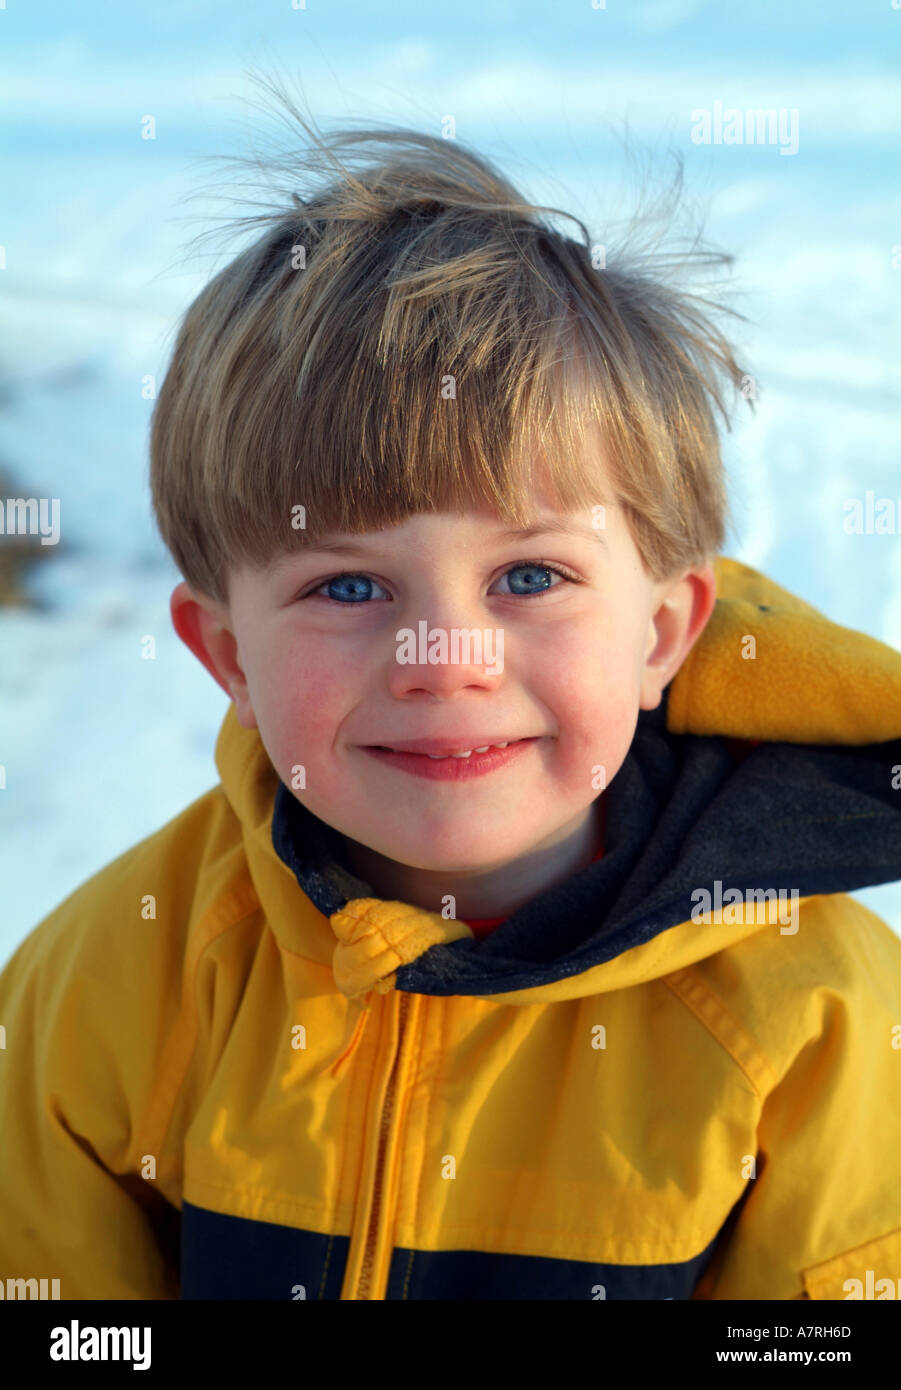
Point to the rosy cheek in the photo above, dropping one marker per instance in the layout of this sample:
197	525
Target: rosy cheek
308	721
614	701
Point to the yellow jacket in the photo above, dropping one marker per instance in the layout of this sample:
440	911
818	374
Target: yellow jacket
229	1071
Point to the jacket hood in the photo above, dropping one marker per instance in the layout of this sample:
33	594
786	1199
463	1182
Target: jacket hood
777	772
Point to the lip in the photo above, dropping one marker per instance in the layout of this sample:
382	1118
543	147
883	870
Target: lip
450	769
443	745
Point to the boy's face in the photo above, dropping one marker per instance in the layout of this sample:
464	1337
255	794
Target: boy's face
318	667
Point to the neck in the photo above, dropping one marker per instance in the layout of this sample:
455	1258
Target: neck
494	891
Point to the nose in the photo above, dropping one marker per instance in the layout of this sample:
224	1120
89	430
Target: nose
438	659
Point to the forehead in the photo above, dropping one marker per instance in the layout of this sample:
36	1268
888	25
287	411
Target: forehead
586	525
540	511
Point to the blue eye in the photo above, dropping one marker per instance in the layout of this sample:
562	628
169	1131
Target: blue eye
534	569
350	587
354	586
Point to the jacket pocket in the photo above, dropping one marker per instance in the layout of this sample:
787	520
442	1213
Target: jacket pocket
871	1271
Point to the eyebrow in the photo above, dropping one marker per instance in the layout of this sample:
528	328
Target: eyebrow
545	528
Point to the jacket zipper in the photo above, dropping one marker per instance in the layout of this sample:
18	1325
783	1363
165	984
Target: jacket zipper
365	1281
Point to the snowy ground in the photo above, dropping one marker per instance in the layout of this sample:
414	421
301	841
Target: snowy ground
102	747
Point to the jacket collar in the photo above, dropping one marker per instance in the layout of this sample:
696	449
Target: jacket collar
682	815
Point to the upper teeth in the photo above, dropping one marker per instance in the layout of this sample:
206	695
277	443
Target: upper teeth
468	751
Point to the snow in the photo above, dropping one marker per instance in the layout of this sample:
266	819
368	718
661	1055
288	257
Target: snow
101	747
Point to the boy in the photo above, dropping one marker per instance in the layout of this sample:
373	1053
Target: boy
512	957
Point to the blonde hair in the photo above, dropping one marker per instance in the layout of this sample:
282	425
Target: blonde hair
412	336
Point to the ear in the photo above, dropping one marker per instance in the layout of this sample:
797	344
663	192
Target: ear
205	628
683	606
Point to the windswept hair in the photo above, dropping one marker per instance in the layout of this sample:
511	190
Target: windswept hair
412	336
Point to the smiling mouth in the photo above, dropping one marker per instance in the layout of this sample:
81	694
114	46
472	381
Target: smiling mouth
458	753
